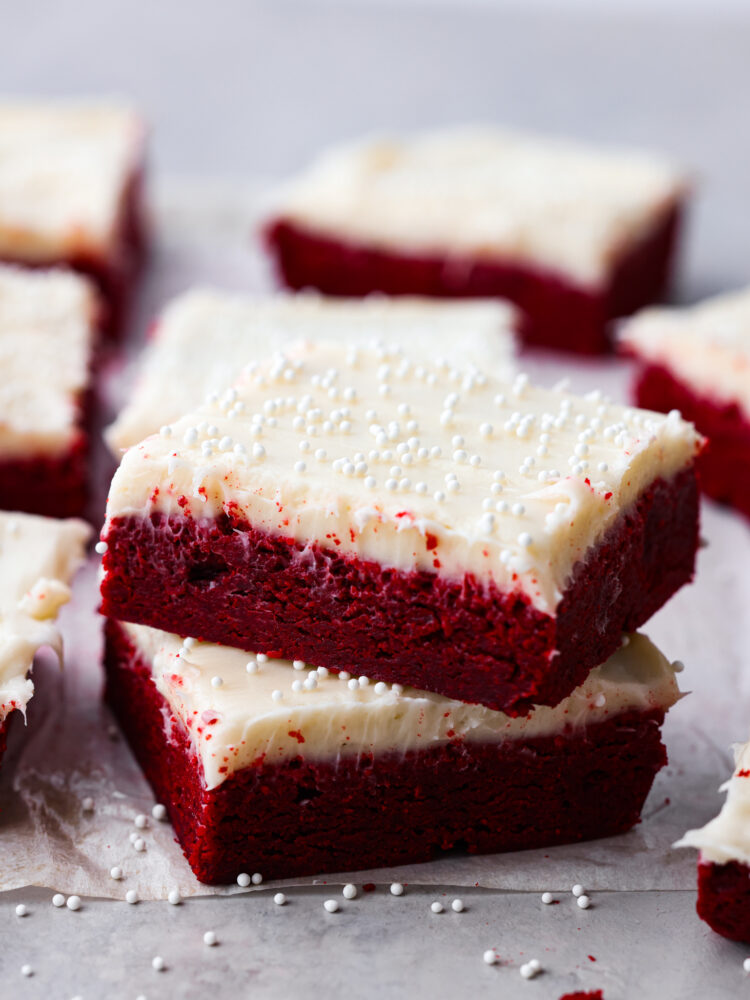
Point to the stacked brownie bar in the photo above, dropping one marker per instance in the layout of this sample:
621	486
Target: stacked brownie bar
724	860
204	339
70	180
697	360
366	606
38	558
48	331
573	235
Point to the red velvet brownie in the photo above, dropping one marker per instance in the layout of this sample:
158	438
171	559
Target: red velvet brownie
724	860
204	339
48	332
697	360
438	527
70	193
288	772
572	235
38	557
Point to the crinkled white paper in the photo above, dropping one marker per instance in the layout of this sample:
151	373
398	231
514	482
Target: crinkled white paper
68	753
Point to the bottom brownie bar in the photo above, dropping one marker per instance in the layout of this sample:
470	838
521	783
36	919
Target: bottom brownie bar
267	768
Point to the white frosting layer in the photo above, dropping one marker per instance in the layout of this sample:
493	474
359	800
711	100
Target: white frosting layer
487	193
47	331
38	557
204	340
320	717
706	346
413	467
727	836
64	168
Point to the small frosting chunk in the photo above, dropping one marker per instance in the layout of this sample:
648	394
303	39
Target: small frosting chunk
706	346
241	722
47	331
727	837
64	170
399	469
204	339
488	193
38	557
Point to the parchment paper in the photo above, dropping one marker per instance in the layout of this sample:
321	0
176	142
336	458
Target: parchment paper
70	749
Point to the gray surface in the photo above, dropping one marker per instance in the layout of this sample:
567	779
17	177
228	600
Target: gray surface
239	88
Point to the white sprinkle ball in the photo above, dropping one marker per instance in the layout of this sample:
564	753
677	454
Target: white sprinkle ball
257	878
535	964
547	898
298	664
457	906
584	902
349	891
141	821
330	906
139	844
74	903
21	910
174	897
678	666
578	890
157	964
490	957
210	938
26	970
88	804
217	682
397	889
100	548
243	880
115	873
58	899
276	695
746	965
279	899
437	907
131	896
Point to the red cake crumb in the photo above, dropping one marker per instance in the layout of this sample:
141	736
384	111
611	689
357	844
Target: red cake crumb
583	995
303	816
558	313
724	898
724	466
221	580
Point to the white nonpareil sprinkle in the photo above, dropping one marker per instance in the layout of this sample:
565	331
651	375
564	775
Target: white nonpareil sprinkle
115	873
349	891
141	821
330	906
87	804
131	896
74	903
100	548
217	682
139	844
159	812
584	902
157	963
397	889
21	910
276	695
26	970
678	666
257	878
490	957
577	890
210	938
547	898
279	899
243	880
437	907
528	971
58	899
458	906
746	965
174	897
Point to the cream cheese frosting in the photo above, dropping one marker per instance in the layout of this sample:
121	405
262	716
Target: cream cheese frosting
205	338
727	837
64	168
47	331
706	346
411	465
488	193
239	708
38	557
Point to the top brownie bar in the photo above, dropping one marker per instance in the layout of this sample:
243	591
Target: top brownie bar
485	540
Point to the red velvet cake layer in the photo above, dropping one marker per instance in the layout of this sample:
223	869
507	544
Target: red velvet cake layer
724	898
305	817
558	312
724	465
56	487
221	580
